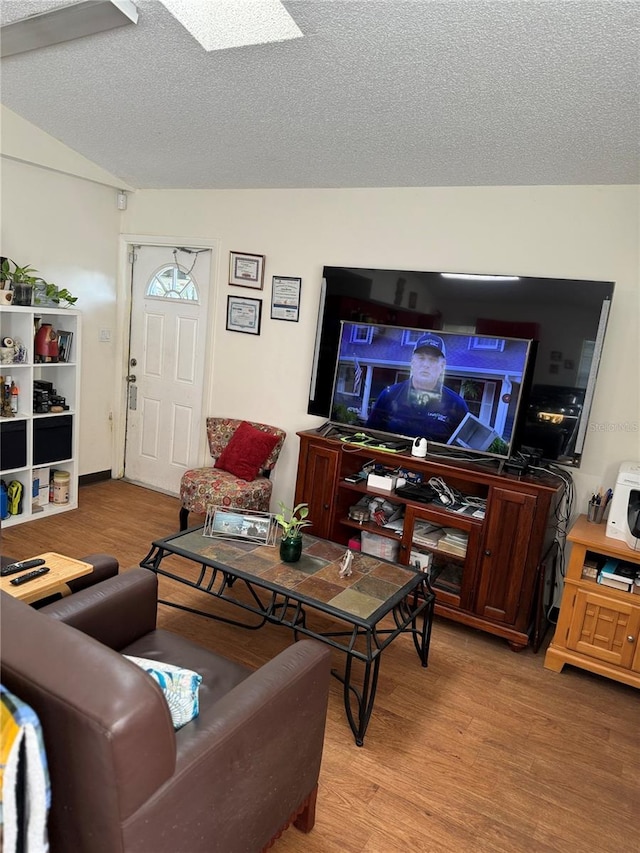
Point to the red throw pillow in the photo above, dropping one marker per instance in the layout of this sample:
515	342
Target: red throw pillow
247	452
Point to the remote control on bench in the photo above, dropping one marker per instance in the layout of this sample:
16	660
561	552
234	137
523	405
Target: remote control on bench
30	576
20	567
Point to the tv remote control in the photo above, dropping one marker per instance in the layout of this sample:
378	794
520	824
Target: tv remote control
20	567
30	576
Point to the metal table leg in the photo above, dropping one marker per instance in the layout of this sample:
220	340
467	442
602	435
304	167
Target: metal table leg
364	698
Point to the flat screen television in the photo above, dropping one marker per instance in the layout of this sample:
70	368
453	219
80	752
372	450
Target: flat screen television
564	318
456	390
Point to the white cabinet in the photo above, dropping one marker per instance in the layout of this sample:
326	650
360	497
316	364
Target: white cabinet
35	443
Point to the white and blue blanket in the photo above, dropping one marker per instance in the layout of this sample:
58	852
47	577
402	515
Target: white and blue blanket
24	778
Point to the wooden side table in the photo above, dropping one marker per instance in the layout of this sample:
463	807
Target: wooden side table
63	569
598	626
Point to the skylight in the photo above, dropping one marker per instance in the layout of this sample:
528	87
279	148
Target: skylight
222	24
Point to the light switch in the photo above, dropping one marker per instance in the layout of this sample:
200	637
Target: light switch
105	335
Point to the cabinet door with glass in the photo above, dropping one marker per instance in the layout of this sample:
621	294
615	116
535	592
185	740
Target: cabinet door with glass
445	546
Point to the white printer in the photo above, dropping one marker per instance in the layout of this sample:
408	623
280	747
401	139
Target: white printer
624	514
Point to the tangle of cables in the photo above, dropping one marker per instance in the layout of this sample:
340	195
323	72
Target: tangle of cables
452	497
563	510
195	252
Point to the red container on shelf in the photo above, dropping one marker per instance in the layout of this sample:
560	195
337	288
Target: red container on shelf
354	543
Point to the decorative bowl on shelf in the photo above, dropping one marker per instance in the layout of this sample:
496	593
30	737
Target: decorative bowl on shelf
359	514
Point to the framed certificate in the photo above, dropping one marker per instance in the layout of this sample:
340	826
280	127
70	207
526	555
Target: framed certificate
285	298
244	315
246	270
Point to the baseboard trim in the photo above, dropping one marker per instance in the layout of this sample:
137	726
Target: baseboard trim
96	477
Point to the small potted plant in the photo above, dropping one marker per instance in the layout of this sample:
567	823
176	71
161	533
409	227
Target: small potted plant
32	289
292	521
20	279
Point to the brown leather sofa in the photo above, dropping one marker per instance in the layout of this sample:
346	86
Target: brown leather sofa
122	780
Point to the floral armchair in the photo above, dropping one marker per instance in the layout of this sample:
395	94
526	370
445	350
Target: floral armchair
239	477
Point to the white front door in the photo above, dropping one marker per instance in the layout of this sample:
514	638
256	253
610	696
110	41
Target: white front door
170	289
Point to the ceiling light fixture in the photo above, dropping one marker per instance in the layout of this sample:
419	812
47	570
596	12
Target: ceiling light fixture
223	24
469	277
65	23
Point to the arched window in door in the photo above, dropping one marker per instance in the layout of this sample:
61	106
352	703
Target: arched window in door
173	282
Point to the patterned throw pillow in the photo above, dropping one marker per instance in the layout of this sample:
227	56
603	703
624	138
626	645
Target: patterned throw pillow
180	687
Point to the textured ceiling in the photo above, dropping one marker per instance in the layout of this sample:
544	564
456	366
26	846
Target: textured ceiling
376	94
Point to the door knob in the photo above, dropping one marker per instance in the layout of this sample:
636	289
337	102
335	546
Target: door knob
631	639
131	377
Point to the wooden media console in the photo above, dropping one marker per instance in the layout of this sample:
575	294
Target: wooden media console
494	582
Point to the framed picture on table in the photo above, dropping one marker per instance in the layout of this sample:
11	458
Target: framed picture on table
250	525
246	270
244	315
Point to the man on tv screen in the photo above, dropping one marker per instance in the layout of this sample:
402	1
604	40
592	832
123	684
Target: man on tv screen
421	405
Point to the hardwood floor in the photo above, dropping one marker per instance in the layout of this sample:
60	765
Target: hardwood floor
483	751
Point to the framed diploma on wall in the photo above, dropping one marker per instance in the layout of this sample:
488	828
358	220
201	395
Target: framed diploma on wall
285	298
246	270
244	315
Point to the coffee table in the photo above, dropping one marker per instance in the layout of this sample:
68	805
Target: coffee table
311	598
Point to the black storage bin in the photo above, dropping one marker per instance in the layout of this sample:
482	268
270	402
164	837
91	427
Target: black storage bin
13	444
52	439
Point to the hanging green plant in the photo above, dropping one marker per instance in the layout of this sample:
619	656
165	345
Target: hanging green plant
51	294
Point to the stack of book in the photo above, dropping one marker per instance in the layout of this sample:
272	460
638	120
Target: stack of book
618	574
426	534
454	541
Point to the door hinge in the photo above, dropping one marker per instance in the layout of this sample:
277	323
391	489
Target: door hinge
132	257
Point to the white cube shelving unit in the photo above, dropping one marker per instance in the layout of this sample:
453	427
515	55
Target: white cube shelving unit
34	445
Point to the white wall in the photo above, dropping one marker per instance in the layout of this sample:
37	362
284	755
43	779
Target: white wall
67	228
571	232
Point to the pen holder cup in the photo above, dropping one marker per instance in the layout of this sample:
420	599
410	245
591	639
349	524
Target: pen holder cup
595	513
